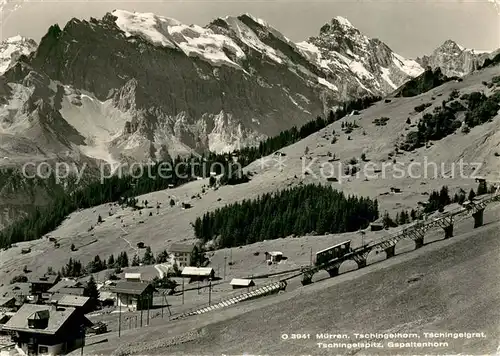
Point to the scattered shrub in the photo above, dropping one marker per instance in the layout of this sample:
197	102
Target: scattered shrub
422	107
381	121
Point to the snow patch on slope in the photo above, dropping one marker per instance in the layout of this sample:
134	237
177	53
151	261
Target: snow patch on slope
408	66
327	84
313	54
360	69
99	122
147	25
192	40
250	38
386	77
196	40
356	67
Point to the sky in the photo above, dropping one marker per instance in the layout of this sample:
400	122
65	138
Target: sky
410	27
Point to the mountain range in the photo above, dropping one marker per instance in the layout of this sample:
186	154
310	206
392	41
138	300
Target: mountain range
134	86
139	86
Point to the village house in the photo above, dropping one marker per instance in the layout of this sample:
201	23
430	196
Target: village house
47	330
274	256
4	317
80	303
198	273
67	286
238	283
376	226
7	303
40	286
133	277
134	295
106	295
182	254
19	291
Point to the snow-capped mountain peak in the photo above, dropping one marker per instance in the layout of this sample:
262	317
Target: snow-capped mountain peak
340	26
343	21
12	48
362	63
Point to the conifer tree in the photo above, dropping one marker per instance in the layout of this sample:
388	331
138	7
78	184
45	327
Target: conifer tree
482	188
148	258
472	195
111	261
90	290
135	260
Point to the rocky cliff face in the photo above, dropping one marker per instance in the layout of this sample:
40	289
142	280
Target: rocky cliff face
138	86
453	59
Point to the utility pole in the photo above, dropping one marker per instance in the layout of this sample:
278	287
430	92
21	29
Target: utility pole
225	258
139	303
149	304
168	306
119	315
209	291
83	341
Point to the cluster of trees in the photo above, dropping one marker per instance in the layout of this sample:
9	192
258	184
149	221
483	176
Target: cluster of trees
432	127
438	200
74	268
442	122
481	108
422	107
122	260
348	127
381	121
428	80
295	211
401	218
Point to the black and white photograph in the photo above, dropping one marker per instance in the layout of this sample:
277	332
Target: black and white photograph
237	177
